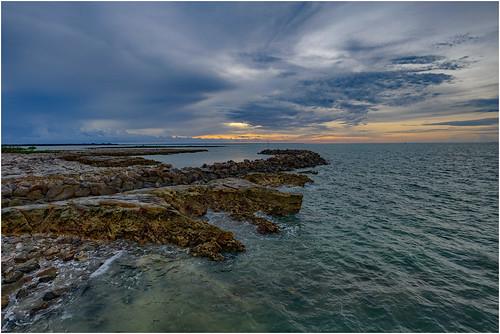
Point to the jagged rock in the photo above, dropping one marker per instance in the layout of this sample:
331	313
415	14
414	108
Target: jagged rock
50	295
22	293
161	215
66	192
12	277
29	266
208	249
264	226
5	300
51	251
315	172
109	161
143	218
230	195
45	279
21	191
82	191
20	258
38	306
67	255
278	179
35	195
110	180
81	256
98	189
47	274
53	191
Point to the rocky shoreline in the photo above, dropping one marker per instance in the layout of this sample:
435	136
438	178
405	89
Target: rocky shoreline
47	187
60	210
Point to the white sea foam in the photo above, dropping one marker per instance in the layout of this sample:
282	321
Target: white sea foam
105	266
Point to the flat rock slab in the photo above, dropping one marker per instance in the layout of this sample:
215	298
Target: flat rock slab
160	215
123	152
16	166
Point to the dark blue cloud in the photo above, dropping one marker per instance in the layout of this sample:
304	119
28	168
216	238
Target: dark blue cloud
350	98
417	59
260	58
472	122
107	69
481	105
457	40
432	62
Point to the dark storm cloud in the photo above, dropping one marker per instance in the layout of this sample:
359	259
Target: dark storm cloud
473	122
433	62
457	40
481	105
115	70
417	59
347	98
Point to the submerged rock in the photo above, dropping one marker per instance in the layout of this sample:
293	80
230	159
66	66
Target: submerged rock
315	172
50	295
38	306
264	226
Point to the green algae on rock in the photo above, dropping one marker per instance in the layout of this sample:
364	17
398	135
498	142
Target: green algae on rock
110	180
278	179
154	204
160	215
141	218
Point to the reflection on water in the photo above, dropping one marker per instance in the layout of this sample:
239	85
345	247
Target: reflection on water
235	152
390	238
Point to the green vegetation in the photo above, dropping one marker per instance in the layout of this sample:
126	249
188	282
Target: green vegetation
24	150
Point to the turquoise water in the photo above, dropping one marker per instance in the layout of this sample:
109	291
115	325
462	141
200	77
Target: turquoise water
391	237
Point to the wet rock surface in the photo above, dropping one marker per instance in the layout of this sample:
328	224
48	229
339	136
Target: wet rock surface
110	180
30	293
121	157
160	215
63	218
109	161
131	151
278	179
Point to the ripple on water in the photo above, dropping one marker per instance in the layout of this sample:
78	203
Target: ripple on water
396	237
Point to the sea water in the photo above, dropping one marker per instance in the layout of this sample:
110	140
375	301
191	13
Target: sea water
391	237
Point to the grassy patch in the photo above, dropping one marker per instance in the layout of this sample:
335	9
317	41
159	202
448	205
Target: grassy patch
23	150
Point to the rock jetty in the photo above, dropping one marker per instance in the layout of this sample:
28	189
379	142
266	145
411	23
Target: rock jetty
68	208
106	181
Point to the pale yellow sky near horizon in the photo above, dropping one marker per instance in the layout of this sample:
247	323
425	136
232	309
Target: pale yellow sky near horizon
413	130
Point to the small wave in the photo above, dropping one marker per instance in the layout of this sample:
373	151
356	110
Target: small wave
105	266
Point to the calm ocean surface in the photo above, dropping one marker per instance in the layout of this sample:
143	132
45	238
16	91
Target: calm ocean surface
391	237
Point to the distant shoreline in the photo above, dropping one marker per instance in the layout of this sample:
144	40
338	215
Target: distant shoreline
116	145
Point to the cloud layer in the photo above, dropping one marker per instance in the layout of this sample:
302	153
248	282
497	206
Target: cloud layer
92	72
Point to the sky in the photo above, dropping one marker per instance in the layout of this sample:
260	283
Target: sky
157	72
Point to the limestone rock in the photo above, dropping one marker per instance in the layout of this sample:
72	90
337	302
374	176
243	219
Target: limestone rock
278	179
110	180
5	300
29	266
38	306
47	275
12	277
